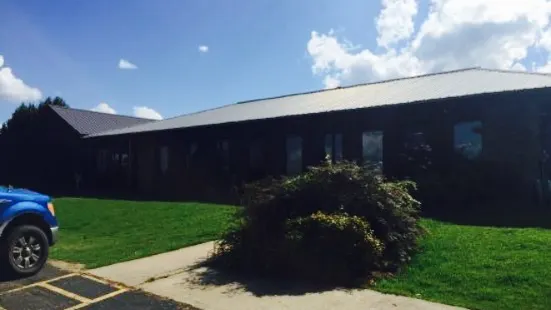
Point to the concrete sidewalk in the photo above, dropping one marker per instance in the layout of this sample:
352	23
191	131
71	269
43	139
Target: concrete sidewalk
173	275
139	271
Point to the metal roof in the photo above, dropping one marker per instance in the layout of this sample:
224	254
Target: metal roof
90	122
449	84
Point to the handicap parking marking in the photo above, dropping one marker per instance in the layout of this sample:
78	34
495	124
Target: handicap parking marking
104	281
8	282
35	284
97	279
78	301
84	286
64	293
79	290
36	298
99	299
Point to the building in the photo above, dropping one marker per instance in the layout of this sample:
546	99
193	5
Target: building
431	128
55	159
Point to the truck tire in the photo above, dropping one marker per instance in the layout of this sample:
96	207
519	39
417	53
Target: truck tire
25	250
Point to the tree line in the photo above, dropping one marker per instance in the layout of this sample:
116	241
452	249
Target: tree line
30	155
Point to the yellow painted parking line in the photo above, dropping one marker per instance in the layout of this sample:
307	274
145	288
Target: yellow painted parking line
102	298
36	284
64	292
83	300
104	281
89	277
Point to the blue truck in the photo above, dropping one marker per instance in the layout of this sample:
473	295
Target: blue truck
28	227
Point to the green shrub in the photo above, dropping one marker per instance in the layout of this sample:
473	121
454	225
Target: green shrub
341	245
340	215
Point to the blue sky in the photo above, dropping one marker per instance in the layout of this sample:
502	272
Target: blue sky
256	48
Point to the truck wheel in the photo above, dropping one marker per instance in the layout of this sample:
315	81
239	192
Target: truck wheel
26	250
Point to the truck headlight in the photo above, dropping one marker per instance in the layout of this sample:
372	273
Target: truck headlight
51	208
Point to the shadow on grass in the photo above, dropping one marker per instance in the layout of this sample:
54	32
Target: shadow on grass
211	198
525	216
205	276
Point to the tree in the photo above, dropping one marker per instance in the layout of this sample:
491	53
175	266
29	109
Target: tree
27	113
21	137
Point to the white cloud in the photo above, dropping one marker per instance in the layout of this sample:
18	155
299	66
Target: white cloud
545	39
331	82
13	88
395	22
126	65
145	112
104	108
203	48
455	34
340	65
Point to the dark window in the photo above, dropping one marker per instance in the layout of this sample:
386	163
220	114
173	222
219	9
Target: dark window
163	158
416	157
124	159
256	157
103	155
119	159
294	154
223	148
372	148
416	141
467	139
190	154
333	146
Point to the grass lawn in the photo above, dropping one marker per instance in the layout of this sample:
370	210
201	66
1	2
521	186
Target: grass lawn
98	232
475	267
479	268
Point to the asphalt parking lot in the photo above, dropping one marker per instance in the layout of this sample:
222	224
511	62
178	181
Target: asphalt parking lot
55	289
